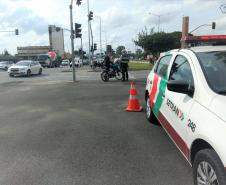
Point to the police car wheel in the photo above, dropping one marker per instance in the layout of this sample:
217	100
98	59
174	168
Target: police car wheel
208	168
149	113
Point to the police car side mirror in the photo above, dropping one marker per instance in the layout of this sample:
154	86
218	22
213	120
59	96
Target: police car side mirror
180	86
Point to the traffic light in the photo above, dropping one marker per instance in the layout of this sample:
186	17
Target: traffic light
95	47
90	16
78	30
16	32
79	2
91	48
213	25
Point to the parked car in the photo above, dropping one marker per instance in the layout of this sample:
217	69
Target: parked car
78	62
186	92
65	63
4	65
85	61
25	68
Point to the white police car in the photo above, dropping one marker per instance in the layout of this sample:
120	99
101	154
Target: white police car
186	92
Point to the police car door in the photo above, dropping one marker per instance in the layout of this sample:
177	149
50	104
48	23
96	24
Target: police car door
178	105
159	83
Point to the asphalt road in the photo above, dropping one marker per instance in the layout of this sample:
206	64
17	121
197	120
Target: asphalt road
55	132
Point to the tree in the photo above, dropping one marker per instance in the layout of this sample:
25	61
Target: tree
139	53
119	50
155	43
6	53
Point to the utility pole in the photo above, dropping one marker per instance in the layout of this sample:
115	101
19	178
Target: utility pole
72	41
88	28
185	31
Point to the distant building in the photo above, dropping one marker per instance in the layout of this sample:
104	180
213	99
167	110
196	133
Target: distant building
31	52
56	39
56	43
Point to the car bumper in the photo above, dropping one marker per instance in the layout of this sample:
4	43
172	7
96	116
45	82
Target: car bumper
21	73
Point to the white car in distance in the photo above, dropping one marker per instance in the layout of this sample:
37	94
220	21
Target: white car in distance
78	62
4	65
65	63
25	68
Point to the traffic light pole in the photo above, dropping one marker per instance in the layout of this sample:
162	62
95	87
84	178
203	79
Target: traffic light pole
72	41
82	48
88	29
91	31
16	31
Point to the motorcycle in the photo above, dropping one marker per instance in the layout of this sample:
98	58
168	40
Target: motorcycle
113	72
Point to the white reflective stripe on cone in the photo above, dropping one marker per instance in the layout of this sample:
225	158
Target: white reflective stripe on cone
131	97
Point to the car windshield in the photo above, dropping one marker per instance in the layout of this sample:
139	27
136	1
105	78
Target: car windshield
214	68
23	63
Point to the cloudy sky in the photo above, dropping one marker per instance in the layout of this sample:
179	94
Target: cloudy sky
122	19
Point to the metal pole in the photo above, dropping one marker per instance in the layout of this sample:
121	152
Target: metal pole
82	48
91	31
88	29
72	42
100	40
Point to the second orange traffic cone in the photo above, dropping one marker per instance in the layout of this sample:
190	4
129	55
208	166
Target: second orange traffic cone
133	103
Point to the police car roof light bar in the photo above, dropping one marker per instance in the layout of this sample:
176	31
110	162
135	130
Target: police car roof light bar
206	38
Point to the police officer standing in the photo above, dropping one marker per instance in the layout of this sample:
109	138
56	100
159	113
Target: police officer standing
124	60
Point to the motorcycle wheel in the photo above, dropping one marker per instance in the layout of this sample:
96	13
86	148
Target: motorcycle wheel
118	75
104	76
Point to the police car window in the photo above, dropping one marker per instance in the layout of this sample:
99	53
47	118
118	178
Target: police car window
214	67
162	67
181	70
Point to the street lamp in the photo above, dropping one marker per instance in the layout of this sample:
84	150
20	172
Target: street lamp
159	17
223	8
100	36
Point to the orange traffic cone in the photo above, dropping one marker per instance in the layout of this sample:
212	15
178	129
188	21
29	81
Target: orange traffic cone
133	103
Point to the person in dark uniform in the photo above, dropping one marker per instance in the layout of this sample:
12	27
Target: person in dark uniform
107	61
124	60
